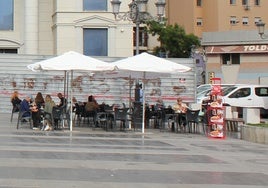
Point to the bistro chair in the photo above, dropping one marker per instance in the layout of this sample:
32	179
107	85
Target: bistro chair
24	120
120	114
15	109
102	120
60	116
192	119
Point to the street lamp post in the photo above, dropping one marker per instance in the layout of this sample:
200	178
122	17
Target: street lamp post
137	14
261	26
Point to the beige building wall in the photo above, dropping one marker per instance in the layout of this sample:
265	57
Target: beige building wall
215	14
52	27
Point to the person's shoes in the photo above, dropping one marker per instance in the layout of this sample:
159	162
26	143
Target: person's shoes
43	128
35	128
47	128
24	121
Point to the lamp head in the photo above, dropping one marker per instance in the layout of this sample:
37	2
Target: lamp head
115	6
160	5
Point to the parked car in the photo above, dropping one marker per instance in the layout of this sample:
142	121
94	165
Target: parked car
240	96
246	96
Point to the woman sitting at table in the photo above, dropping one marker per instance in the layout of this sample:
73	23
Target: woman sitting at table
91	108
180	108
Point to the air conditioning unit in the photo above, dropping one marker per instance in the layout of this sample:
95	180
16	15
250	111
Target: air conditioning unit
246	7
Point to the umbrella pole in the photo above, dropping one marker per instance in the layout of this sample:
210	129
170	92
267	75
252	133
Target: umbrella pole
129	100
143	103
71	107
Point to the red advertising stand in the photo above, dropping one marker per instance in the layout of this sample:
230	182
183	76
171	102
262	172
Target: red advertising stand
215	110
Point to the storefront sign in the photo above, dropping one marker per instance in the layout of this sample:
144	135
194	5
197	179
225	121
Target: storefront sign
256	48
237	49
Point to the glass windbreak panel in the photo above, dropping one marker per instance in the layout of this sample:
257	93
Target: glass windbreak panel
95	5
95	42
6	14
227	90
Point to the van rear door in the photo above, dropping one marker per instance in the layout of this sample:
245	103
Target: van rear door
261	93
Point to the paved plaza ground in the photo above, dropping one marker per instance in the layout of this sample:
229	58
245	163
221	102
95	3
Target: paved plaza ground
96	158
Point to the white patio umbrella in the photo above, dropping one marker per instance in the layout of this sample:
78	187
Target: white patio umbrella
146	63
72	61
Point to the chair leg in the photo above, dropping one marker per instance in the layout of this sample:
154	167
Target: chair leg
18	123
11	117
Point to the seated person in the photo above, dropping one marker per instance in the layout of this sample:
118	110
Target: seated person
30	110
63	100
180	108
49	104
39	100
75	103
25	106
36	115
159	104
15	100
91	107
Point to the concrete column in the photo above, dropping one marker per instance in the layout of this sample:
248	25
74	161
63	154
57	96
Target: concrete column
251	115
112	41
228	112
31	27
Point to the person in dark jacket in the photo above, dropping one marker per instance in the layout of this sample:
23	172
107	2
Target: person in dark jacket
15	100
25	106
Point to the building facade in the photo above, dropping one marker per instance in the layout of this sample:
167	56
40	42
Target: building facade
237	57
199	16
52	27
228	33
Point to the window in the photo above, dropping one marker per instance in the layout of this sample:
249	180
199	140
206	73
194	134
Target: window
199	22
257	2
232	2
95	42
230	59
143	37
233	20
199	3
95	5
244	2
256	20
243	92
6	14
8	51
245	20
261	91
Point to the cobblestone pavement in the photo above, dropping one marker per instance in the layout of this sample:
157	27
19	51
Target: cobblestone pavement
95	158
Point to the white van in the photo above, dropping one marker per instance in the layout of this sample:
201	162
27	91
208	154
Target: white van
246	96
